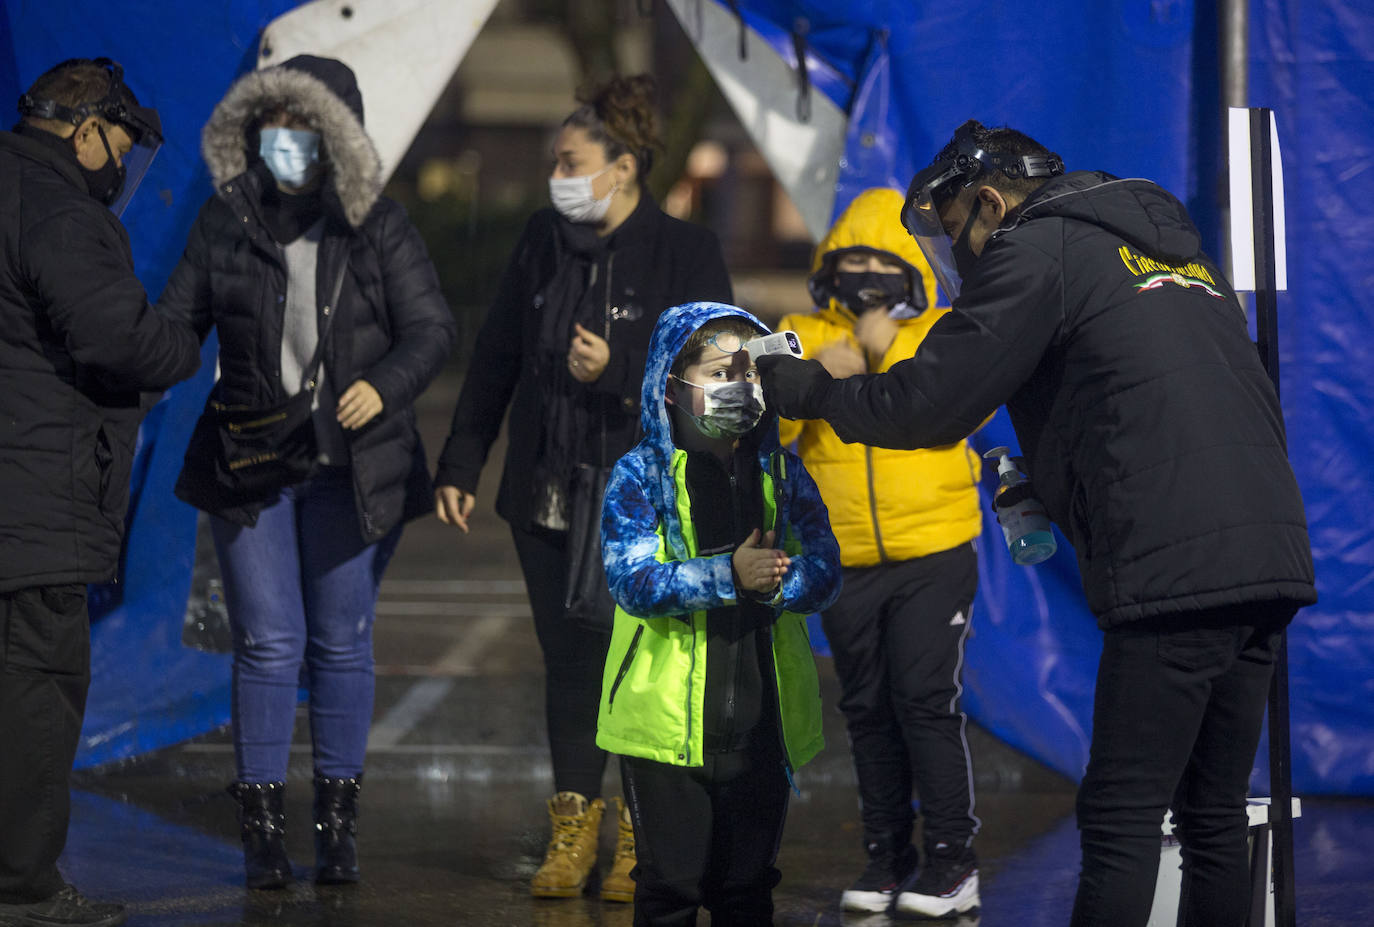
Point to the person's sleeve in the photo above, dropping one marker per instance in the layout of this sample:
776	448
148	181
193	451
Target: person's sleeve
705	278
186	297
422	326
632	550
98	307
813	579
972	361
492	375
789	430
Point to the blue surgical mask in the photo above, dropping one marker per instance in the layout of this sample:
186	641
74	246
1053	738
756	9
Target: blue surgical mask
290	154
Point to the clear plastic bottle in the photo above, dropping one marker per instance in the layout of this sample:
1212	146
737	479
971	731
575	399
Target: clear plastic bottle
1021	515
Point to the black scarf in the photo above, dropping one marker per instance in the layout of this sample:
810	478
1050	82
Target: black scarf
569	432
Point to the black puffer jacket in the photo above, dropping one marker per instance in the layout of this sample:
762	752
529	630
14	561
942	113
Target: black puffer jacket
650	263
392	327
78	342
1152	431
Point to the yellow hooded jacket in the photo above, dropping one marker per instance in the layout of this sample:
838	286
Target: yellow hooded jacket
885	505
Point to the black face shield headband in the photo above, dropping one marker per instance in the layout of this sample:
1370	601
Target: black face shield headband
959	166
118	106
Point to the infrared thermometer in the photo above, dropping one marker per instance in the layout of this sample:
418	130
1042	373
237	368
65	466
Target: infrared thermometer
776	343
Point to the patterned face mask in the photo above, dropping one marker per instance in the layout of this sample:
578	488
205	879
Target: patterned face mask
731	409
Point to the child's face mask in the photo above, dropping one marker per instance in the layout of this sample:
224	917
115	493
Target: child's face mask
730	408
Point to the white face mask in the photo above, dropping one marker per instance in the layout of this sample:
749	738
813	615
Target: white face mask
574	199
291	154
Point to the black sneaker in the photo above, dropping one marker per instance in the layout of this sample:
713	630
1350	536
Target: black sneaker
946	885
884	874
68	908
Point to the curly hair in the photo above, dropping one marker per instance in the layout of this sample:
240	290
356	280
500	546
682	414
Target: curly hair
620	116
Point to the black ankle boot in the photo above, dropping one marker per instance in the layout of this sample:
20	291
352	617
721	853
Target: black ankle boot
262	823
336	830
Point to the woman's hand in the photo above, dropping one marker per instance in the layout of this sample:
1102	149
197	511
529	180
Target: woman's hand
841	359
453	506
588	355
359	405
758	566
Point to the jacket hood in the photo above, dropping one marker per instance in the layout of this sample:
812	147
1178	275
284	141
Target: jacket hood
670	334
871	222
320	90
1140	211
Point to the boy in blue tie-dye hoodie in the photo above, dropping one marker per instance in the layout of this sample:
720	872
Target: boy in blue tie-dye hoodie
716	544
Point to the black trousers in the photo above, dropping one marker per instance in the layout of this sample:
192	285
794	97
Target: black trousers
45	670
1176	721
574	658
707	836
897	633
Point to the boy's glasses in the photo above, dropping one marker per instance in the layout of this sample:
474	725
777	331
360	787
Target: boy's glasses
726	342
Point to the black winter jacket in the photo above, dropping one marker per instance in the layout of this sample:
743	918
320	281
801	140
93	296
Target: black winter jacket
78	342
1151	430
392	326
650	263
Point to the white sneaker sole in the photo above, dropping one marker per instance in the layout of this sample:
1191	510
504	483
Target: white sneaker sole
964	898
866	902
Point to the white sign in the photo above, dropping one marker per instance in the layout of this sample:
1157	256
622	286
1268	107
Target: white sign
1242	203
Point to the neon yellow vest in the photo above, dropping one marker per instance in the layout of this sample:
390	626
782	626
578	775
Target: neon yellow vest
653	690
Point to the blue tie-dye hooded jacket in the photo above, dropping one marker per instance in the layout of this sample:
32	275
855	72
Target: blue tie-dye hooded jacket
653	688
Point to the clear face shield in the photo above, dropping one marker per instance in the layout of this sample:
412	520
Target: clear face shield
145	128
921	218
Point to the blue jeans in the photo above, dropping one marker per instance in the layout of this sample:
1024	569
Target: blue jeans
1176	721
301	588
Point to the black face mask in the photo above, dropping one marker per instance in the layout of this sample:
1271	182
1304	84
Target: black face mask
964	258
105	183
868	290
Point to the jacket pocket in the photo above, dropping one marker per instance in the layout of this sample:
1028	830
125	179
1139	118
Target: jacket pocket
624	668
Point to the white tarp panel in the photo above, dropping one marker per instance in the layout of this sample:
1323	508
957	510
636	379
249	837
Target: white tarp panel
404	53
762	89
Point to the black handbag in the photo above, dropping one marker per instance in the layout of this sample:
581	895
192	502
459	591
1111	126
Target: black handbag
263	449
588	598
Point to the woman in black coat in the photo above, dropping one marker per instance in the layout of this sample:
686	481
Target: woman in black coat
298	217
563	347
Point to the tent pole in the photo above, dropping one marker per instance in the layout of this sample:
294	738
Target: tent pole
1266	328
1233	28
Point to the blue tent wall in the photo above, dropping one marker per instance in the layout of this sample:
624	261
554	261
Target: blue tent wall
1133	89
147	689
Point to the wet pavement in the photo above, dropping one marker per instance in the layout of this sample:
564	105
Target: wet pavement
452	821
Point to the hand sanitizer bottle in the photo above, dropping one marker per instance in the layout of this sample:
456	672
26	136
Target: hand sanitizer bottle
1020	513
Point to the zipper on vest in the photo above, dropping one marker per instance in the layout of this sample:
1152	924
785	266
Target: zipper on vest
624	668
873	504
686	755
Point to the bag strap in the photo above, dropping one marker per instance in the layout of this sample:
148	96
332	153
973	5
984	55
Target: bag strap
331	309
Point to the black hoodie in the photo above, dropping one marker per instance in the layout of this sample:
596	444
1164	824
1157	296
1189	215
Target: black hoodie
1152	431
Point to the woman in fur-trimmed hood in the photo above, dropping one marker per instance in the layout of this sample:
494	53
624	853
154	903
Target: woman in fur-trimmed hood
313	281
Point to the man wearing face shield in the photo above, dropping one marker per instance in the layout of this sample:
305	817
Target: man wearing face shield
1155	438
79	344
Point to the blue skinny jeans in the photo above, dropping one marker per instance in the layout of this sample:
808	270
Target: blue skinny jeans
301	589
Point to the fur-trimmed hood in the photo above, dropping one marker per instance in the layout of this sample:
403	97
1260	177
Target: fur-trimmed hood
322	91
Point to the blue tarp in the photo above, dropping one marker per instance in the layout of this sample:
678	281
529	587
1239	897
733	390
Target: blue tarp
1125	87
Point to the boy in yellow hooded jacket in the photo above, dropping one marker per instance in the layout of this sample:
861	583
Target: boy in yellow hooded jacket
906	522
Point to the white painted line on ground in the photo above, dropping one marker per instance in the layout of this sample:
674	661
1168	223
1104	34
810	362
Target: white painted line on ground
405	749
463	609
419	700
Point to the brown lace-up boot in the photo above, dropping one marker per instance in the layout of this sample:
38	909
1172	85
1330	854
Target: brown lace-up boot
619	885
571	855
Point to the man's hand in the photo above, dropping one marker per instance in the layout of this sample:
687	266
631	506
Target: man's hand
792	387
588	355
453	506
359	404
758	566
